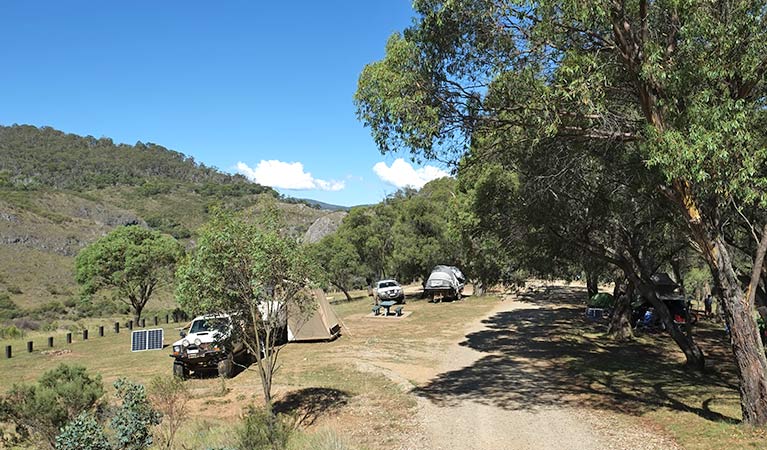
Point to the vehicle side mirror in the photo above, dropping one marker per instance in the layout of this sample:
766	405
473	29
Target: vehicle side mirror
182	333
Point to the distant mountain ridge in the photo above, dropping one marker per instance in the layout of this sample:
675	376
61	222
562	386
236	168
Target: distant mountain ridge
325	206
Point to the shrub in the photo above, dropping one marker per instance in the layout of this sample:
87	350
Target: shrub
59	396
82	433
8	309
134	419
11	332
261	431
169	395
14	289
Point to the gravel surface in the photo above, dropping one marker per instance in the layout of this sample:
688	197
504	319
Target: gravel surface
469	424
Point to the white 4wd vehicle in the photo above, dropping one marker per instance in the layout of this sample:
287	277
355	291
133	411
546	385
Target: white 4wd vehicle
388	290
208	344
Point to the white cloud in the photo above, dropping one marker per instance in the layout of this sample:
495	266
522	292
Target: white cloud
401	174
285	175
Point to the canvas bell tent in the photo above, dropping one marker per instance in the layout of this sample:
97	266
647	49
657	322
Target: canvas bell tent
321	325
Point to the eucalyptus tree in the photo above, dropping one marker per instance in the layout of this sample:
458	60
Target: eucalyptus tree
133	260
681	81
255	273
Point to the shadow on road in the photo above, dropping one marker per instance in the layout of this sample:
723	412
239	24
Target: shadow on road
550	355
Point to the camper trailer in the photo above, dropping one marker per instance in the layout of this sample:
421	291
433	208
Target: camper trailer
445	282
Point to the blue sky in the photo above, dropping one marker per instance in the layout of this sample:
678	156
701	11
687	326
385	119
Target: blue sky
263	86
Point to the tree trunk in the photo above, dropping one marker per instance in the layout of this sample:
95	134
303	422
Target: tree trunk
744	335
479	289
343	289
677	269
620	320
592	283
137	309
692	352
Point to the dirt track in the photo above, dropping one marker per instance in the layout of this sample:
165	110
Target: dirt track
461	407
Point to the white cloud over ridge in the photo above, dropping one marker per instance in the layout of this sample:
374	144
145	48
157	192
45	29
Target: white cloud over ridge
401	174
286	175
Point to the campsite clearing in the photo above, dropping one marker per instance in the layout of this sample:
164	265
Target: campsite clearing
529	372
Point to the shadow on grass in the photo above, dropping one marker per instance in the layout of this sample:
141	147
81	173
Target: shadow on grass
550	355
311	403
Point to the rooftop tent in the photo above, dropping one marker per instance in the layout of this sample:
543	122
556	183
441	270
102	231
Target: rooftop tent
321	325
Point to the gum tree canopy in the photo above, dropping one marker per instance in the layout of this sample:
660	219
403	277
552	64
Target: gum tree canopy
132	259
680	82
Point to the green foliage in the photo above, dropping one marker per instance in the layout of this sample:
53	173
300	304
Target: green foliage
82	433
404	236
134	419
339	261
696	279
237	264
254	271
31	157
60	395
261	431
169	226
8	309
11	332
132	260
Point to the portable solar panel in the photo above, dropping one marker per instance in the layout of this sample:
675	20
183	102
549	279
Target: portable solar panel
154	339
146	340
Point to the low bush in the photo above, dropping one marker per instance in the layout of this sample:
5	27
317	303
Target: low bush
40	410
11	332
83	433
8	309
169	395
14	289
260	431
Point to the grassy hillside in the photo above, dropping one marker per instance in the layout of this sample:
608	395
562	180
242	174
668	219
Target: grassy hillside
59	192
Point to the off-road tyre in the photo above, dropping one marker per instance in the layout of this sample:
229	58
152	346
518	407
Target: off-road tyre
180	370
225	367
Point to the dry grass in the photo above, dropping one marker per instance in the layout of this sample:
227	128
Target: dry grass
544	356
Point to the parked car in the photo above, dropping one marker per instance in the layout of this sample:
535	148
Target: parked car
208	344
388	290
445	282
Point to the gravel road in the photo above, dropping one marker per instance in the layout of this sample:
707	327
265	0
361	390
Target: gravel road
467	422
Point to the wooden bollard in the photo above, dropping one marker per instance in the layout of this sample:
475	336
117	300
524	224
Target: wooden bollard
167	319
69	338
117	327
50	341
8	351
130	324
101	330
30	346
85	335
156	321
143	323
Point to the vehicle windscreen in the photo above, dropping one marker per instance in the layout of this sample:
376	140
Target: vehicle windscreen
385	284
202	325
